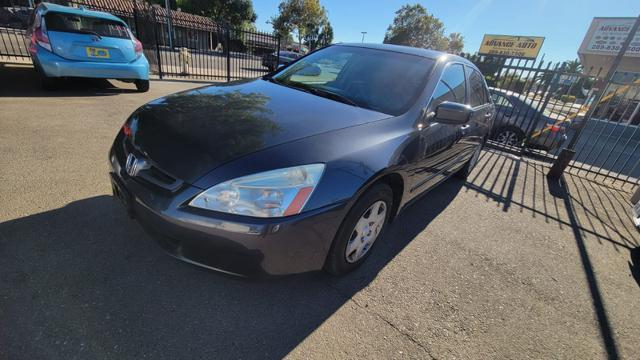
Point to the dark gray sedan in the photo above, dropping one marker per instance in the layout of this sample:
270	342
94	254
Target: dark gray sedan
303	169
518	116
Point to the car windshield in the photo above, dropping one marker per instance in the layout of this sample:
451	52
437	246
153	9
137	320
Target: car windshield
85	25
384	81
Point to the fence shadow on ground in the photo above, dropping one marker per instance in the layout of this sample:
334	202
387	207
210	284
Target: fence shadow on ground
87	276
590	210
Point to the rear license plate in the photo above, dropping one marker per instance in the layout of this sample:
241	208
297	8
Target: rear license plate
123	194
98	53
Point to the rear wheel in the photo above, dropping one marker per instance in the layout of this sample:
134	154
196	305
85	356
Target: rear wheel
360	229
508	135
142	85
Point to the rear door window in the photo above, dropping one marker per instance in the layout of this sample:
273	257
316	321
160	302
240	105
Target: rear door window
85	25
451	87
477	94
501	101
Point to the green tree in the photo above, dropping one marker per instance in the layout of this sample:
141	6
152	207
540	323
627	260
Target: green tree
414	26
301	17
455	43
318	36
573	66
234	13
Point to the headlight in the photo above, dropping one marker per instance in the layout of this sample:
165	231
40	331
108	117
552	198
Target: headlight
275	193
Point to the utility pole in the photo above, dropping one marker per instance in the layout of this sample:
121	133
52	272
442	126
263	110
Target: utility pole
567	154
169	23
363	34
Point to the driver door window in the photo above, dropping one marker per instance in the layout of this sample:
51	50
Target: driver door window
451	87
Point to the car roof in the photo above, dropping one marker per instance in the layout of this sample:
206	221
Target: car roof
427	53
78	11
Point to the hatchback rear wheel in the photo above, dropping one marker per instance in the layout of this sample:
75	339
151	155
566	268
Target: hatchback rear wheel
142	85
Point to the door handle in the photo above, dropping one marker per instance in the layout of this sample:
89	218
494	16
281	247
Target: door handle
488	115
465	127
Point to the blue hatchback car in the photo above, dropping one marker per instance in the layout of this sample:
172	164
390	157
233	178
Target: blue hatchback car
75	42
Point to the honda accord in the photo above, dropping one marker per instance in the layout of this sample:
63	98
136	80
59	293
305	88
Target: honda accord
303	169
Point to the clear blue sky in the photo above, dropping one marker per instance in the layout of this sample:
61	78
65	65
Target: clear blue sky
562	22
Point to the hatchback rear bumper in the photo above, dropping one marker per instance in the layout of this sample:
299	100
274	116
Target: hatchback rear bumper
55	66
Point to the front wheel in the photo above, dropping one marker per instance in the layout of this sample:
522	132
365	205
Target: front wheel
142	85
362	226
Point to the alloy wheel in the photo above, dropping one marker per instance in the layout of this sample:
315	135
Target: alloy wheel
508	138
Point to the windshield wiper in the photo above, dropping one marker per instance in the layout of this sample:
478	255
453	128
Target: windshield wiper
322	92
89	32
331	95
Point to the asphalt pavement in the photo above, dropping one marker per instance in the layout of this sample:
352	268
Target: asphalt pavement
506	265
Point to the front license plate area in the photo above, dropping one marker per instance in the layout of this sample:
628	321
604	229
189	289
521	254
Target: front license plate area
98	53
123	195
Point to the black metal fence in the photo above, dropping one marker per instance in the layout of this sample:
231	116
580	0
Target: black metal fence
541	105
177	44
14	15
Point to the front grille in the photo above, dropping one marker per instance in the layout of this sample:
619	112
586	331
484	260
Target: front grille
159	178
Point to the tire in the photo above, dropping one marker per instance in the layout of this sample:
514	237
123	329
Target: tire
463	173
338	261
508	135
48	83
142	85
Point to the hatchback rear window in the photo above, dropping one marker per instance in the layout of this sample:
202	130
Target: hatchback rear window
85	25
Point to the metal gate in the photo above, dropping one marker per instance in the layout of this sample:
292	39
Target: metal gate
177	44
14	15
540	106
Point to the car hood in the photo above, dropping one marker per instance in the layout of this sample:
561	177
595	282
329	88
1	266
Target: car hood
190	133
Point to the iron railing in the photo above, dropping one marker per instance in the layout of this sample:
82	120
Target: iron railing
177	44
557	98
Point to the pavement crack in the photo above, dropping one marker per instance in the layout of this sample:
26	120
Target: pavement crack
379	316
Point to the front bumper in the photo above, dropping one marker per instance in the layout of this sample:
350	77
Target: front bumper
233	244
55	66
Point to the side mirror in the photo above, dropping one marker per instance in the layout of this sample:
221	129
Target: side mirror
310	70
452	113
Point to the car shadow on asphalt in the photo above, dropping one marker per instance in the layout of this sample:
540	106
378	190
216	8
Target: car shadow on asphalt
21	80
85	281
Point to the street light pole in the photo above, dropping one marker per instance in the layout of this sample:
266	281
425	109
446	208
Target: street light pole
363	34
169	23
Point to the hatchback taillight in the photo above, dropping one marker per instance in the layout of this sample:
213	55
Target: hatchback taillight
137	45
40	37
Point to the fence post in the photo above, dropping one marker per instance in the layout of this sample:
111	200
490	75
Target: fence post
155	33
227	40
135	17
278	53
567	153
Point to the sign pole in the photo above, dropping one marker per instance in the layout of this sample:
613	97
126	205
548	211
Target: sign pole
567	153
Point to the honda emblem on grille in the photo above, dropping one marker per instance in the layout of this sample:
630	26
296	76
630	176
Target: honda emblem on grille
135	165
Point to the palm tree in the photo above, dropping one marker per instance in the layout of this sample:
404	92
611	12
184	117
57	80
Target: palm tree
573	66
455	43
